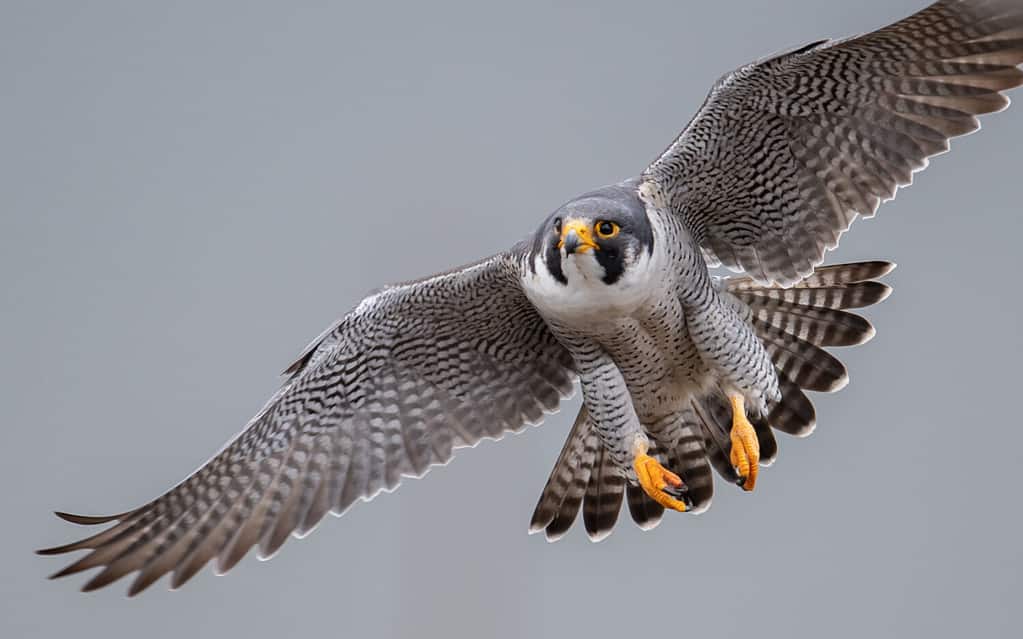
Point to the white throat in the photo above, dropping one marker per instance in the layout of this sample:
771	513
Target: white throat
586	298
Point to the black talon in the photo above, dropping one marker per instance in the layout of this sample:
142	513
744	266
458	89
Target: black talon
678	492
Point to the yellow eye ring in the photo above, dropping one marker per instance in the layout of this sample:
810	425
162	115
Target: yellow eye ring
606	230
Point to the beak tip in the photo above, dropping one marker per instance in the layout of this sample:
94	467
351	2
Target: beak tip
570	244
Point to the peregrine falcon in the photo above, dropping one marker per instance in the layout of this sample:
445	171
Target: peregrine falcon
681	371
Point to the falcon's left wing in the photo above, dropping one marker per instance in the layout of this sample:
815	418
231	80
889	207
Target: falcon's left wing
787	152
415	371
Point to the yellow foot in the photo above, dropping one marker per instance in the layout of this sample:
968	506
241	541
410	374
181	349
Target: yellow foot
745	445
654	478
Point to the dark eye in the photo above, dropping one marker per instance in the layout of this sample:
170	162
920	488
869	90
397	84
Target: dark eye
606	230
557	225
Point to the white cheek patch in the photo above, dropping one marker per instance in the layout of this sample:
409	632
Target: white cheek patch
586	298
540	286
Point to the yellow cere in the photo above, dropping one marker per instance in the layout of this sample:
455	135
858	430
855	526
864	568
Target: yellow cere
582	231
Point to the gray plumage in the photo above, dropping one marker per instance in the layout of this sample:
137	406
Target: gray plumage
414	372
613	291
707	419
787	152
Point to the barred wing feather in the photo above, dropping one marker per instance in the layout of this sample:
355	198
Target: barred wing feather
786	153
414	372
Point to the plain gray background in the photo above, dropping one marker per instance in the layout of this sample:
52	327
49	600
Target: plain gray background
192	192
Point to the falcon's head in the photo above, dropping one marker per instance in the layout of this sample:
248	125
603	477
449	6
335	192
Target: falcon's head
595	251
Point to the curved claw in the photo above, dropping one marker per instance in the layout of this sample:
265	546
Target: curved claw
745	455
655	480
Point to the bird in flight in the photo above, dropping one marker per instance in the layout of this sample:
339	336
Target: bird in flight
681	372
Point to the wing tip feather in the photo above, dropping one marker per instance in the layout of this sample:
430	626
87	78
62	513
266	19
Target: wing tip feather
89	520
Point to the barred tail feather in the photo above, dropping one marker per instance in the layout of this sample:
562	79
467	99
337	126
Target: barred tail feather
645	512
796	323
558	505
794	414
573	498
583	472
842	275
688	458
819	326
585	476
808	366
603	499
855	295
765	436
713	416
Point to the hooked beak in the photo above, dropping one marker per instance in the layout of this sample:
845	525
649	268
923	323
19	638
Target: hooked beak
576	236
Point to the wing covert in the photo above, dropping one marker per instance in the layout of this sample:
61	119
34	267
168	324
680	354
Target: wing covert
415	371
785	153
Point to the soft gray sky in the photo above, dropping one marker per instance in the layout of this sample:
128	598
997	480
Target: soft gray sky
191	191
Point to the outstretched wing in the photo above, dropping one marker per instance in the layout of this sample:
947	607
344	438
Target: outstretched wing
786	153
414	372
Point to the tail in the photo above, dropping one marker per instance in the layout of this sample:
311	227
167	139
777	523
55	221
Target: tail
581	459
795	325
585	476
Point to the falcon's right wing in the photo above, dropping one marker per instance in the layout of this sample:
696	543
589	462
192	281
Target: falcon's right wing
412	373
